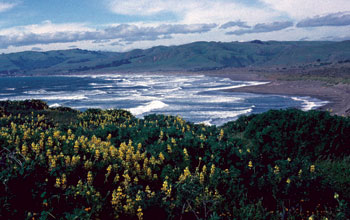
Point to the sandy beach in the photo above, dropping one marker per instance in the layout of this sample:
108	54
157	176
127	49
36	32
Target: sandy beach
337	95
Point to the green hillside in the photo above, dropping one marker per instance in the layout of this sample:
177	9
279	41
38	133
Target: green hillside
192	57
59	163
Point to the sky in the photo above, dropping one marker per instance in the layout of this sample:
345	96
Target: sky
123	25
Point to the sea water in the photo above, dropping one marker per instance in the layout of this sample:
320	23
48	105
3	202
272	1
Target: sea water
196	98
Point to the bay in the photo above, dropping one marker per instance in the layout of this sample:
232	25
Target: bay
196	98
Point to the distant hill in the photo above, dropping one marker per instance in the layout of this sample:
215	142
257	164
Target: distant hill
195	56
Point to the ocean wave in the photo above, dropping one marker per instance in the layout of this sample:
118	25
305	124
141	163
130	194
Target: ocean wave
308	103
55	105
92	92
242	84
100	85
206	122
41	92
47	98
148	107
223	114
220	99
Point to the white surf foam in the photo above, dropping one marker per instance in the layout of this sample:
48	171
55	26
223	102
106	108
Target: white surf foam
55	105
92	92
148	107
207	122
242	84
100	85
308	104
41	92
51	97
224	114
220	99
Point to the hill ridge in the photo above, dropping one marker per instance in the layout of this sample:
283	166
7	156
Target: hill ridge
195	56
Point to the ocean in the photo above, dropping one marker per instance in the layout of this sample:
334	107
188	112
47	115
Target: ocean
196	98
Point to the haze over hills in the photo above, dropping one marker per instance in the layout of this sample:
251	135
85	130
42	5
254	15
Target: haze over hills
189	57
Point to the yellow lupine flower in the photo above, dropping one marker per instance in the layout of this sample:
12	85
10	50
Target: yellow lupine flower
288	181
139	213
76	147
169	149
89	178
24	150
336	196
109	169
221	134
114	198
250	164
186	156
161	157
97	154
201	178
58	182
212	170
312	168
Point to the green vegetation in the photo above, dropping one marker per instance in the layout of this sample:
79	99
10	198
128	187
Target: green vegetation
193	57
106	164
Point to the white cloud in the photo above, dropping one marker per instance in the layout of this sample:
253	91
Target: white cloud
45	27
334	19
301	9
49	33
263	27
6	6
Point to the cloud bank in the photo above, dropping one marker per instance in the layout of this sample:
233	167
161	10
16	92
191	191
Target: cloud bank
334	19
238	23
123	32
123	25
263	27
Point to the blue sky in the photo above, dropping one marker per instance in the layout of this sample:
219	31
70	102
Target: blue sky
119	25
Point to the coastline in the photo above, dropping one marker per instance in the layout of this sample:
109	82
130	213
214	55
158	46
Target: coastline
338	96
279	83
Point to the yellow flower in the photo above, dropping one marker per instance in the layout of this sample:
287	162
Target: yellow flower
201	178
139	213
89	178
221	134
161	157
186	156
336	195
312	168
288	181
58	182
250	164
97	154
24	150
300	172
138	196
169	149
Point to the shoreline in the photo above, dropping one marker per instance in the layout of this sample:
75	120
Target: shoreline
338	96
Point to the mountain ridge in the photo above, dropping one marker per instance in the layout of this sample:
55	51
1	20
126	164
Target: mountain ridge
196	56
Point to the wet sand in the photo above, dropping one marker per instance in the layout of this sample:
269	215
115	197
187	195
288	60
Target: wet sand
338	95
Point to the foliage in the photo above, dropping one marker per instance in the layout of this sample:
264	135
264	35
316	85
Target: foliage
107	164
